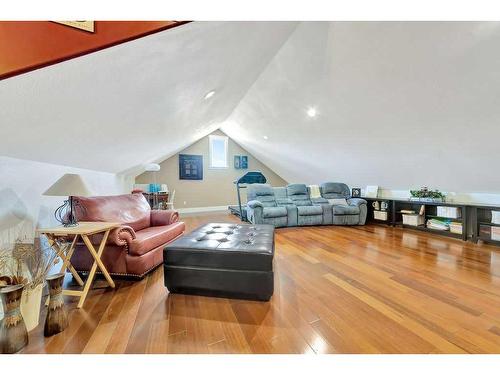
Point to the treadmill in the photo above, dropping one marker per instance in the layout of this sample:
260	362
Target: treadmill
248	178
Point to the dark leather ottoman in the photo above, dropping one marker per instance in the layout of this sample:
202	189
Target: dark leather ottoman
222	260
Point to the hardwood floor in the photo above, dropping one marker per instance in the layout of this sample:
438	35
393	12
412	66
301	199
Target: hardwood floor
367	289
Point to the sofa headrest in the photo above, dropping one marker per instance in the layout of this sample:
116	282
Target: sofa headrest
337	188
127	209
296	189
260	190
280	192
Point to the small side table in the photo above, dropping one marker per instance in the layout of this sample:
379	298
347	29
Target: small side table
83	230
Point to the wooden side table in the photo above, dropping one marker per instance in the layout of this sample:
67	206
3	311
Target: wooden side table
83	230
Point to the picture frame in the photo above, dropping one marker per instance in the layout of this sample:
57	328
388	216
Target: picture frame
244	162
190	167
237	162
356	192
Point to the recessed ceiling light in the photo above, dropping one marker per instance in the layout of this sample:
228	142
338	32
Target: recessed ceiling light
209	94
265	137
311	112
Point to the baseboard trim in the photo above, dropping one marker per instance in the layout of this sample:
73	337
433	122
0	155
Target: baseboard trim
192	210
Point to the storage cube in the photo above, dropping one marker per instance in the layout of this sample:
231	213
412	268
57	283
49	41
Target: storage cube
449	212
456	228
380	215
495	233
414	220
485	231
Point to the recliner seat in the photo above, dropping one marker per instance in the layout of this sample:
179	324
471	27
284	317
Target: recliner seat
354	213
293	206
262	207
307	212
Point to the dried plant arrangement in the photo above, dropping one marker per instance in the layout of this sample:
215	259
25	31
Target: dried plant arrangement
28	263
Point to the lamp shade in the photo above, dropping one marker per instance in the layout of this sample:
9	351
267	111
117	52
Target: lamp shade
69	185
152	167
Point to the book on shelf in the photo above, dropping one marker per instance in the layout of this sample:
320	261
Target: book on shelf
438	224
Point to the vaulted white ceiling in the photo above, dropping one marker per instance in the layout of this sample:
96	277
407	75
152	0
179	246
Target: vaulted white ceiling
136	102
399	104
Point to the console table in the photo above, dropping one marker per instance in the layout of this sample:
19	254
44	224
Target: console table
474	217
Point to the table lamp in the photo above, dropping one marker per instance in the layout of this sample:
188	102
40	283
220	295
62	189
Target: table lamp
69	185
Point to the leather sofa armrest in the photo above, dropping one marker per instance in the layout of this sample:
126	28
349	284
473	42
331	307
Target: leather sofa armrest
253	204
122	236
355	201
163	217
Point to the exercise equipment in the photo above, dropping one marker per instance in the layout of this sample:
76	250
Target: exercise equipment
254	177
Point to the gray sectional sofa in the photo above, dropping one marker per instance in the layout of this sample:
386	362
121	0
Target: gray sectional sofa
292	205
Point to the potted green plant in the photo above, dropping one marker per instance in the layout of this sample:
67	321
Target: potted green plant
427	195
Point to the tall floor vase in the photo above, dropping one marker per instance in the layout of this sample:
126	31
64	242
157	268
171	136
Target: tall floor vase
57	317
13	333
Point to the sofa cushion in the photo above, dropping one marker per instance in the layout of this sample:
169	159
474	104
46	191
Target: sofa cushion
277	222
345	220
280	193
338	201
309	210
270	212
345	210
310	220
294	189
285	202
320	200
302	202
152	237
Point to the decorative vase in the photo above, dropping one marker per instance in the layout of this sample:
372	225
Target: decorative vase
30	306
13	333
57	316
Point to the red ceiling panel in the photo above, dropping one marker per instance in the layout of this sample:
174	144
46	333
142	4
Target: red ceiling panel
29	45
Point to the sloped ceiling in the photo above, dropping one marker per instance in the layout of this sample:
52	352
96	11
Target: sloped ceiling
399	105
140	101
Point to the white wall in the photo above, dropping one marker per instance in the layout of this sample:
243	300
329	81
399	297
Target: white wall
217	188
22	205
400	105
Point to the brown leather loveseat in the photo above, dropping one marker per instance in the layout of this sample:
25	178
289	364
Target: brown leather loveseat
134	248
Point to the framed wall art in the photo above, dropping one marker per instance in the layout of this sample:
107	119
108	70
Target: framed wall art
244	162
190	167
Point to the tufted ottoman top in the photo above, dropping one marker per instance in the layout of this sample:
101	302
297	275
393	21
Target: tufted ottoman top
224	246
